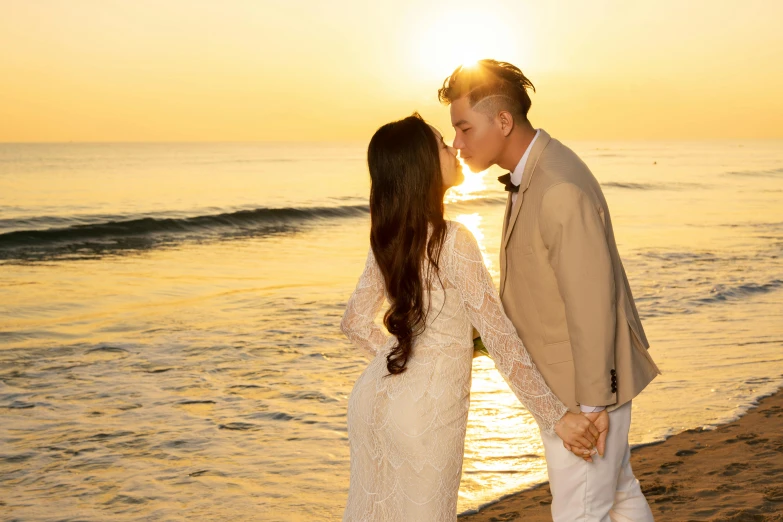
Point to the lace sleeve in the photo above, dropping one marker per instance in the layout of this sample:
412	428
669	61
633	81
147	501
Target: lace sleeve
358	323
498	333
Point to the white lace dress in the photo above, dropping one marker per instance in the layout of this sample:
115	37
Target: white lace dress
407	431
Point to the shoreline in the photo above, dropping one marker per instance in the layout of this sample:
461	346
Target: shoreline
733	472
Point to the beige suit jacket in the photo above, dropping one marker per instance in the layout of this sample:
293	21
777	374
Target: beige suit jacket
564	287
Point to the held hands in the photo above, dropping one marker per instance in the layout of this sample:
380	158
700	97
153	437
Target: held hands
600	421
579	434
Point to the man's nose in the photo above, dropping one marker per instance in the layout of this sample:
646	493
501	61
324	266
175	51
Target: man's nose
458	143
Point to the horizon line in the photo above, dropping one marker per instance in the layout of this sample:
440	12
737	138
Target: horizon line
354	141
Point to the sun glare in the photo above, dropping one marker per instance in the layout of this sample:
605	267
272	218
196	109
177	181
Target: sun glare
462	37
470	188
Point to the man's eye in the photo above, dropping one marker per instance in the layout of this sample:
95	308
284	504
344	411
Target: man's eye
465	130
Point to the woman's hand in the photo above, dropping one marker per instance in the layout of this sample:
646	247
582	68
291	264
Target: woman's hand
601	421
577	432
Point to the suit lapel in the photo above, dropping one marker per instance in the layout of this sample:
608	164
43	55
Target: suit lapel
509	206
527	176
502	243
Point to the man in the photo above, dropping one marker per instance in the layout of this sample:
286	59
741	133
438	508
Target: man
562	285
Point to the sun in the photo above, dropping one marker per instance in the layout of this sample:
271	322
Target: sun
461	37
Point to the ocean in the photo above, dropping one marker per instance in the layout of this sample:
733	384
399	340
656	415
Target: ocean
169	318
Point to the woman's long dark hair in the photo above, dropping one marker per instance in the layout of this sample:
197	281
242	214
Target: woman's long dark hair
405	198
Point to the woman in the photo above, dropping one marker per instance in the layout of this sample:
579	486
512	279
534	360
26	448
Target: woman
408	411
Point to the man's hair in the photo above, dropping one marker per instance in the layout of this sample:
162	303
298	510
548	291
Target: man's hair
499	85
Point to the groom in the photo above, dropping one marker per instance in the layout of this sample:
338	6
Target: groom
562	285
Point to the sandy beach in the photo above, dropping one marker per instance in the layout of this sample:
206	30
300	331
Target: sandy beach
732	474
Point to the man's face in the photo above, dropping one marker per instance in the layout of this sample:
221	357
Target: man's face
479	138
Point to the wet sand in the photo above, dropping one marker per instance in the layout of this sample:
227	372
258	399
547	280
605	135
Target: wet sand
731	474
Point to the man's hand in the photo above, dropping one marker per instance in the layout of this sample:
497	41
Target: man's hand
601	422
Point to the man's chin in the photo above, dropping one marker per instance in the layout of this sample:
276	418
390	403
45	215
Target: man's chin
476	167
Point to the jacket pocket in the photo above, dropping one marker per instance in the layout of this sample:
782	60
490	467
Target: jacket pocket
558	352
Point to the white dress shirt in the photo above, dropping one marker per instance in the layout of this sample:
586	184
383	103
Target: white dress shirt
516	179
516	176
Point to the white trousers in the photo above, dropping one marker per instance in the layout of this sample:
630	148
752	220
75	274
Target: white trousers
600	491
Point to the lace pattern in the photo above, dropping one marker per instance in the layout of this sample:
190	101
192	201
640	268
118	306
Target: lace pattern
406	432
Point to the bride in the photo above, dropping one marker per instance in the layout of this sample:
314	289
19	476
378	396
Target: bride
408	411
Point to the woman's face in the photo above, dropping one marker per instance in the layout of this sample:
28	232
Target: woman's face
450	167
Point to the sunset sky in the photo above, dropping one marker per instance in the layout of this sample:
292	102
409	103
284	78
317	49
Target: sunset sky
186	70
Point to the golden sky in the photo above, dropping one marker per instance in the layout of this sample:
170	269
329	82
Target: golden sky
236	70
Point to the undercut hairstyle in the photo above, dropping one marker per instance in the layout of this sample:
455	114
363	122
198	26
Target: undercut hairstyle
491	86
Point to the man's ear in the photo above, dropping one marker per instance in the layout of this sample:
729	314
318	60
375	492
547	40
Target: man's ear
506	122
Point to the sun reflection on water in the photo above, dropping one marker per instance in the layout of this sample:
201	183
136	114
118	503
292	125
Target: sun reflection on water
473	187
470	188
502	446
503	449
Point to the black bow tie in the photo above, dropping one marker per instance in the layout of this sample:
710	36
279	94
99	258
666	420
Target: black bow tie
505	179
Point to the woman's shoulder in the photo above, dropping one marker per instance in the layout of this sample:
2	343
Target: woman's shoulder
458	234
454	226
